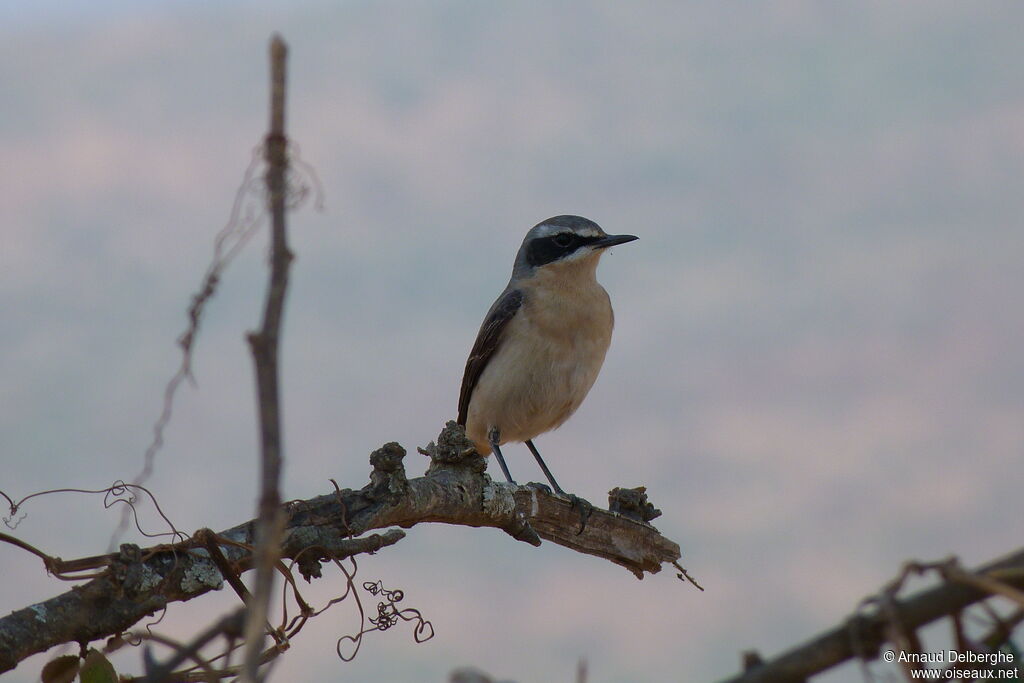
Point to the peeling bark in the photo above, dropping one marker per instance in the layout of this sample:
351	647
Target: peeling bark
455	490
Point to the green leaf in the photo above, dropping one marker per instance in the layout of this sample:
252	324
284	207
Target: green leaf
97	669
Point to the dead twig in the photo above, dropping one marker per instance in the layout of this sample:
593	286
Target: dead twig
229	626
863	634
264	345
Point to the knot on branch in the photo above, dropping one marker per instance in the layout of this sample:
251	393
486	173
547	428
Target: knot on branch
752	660
632	503
310	568
131	574
130	554
453	449
499	501
388	476
303	544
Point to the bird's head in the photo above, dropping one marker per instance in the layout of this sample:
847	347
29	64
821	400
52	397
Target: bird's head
563	241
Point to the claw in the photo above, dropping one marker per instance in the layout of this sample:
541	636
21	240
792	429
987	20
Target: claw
585	509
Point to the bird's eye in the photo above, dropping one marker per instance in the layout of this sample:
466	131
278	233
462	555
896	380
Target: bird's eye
563	240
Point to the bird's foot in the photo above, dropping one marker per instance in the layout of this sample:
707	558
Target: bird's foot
583	506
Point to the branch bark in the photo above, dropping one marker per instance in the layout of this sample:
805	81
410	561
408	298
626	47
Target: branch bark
455	490
863	634
264	345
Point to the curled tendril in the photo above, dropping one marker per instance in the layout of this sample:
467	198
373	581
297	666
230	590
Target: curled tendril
388	615
14	519
117	493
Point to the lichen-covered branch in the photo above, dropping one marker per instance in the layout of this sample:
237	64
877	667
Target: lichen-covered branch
863	634
455	490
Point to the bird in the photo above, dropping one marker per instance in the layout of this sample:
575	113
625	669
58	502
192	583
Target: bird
543	341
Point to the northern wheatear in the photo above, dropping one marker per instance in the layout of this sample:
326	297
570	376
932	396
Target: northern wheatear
543	342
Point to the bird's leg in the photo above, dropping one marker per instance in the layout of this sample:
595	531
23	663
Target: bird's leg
584	506
493	437
547	472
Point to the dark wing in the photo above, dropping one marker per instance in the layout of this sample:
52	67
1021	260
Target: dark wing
487	342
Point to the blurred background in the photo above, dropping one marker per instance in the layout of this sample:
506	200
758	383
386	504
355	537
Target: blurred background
816	368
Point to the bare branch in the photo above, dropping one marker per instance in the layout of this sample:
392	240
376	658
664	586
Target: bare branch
230	626
265	346
863	634
455	490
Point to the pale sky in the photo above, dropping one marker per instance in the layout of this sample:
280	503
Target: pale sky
816	368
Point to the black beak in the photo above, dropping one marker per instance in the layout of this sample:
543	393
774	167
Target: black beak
612	240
